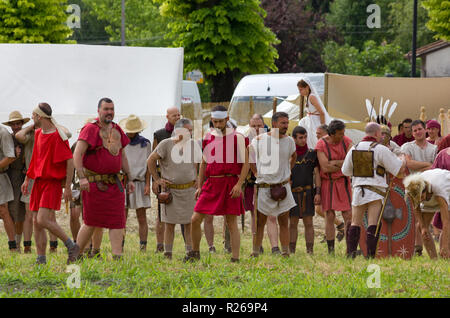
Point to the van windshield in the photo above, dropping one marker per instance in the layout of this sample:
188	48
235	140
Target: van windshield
241	109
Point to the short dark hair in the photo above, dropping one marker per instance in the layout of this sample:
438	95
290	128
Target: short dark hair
45	107
219	108
298	130
324	127
335	125
278	115
418	122
400	126
104	99
407	120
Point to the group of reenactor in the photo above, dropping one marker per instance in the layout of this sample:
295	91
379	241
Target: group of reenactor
112	168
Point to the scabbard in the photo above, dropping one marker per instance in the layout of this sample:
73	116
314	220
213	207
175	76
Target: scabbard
119	184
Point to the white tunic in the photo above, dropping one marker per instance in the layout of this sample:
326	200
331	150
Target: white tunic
440	183
383	157
427	154
272	169
311	121
6	150
137	162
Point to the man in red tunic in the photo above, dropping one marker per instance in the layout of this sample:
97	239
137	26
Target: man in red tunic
98	159
225	165
51	166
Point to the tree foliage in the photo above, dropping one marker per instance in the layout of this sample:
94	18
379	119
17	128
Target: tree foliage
302	33
223	39
350	19
439	13
401	25
92	30
373	60
144	25
33	21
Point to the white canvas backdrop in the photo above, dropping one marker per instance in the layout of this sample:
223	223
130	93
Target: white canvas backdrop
72	78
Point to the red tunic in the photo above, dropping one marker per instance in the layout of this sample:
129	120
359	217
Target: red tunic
103	208
335	194
48	168
215	198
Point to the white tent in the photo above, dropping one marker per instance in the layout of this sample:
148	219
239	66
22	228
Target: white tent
72	78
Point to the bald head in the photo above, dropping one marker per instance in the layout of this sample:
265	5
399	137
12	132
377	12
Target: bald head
257	123
373	129
173	115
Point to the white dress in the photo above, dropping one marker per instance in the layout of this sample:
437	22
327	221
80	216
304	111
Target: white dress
312	120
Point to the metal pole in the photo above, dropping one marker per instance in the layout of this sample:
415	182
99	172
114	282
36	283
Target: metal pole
123	24
414	39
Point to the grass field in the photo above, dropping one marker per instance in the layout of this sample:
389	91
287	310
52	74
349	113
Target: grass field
151	275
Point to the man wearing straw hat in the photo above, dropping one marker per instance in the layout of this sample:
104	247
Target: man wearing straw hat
99	158
178	157
16	173
7	156
225	165
367	162
51	166
137	152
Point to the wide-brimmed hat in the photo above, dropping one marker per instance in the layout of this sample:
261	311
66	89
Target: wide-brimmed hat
16	116
132	124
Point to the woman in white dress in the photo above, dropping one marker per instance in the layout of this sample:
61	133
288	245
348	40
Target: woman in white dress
316	114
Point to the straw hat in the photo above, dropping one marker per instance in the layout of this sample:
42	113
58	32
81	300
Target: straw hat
16	116
132	124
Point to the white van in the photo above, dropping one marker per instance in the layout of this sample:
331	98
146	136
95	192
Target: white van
263	88
191	103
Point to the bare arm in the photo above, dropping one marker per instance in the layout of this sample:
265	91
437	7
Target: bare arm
21	135
69	176
201	178
325	164
80	150
417	165
151	165
444	248
6	162
237	189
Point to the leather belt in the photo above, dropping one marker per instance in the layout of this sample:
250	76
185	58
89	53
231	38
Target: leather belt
224	175
373	189
301	189
181	186
268	185
105	178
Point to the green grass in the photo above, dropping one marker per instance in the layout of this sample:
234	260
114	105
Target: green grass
151	275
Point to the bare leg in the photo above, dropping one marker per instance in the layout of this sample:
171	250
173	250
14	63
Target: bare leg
28	224
196	230
208	227
39	236
187	235
235	237
309	232
141	216
116	237
159	229
169	234
75	225
428	241
257	241
283	221
46	218
329	225
97	237
7	222
272	230
84	236
293	232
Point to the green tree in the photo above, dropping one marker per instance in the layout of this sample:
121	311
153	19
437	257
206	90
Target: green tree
92	30
33	21
223	39
350	19
401	25
372	60
439	13
144	26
